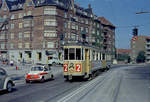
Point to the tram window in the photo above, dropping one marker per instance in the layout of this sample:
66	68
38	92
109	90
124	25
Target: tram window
66	54
93	55
71	54
82	54
78	54
103	56
97	57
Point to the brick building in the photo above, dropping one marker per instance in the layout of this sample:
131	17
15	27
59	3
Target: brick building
38	29
138	44
108	30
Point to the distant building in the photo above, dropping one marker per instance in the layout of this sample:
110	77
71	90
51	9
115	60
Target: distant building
123	55
138	44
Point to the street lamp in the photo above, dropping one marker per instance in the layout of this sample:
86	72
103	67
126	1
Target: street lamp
142	12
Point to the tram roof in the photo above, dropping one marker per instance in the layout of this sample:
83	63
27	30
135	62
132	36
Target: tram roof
81	44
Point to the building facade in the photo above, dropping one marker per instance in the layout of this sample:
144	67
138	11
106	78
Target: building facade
38	29
108	32
138	44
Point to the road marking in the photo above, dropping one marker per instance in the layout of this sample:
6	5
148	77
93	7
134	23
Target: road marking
82	88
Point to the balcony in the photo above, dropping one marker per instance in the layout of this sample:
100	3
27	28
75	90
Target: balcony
147	47
147	57
148	43
148	52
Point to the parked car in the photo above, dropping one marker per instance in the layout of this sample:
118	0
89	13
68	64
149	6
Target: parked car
54	61
39	73
6	83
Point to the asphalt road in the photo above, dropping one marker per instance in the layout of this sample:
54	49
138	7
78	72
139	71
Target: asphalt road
121	84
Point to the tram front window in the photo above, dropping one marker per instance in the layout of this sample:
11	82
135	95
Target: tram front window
78	54
66	54
71	54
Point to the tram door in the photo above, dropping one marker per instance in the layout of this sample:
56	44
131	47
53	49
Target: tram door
87	60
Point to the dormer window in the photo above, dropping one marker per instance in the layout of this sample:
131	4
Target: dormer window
29	3
12	16
5	8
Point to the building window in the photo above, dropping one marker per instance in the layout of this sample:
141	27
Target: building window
77	28
5	16
12	16
11	45
20	35
50	11
11	35
65	14
82	28
73	26
87	30
20	45
50	44
50	33
2	46
12	26
20	25
29	13
65	25
20	15
2	36
98	33
27	23
73	36
39	55
86	22
27	45
50	22
27	34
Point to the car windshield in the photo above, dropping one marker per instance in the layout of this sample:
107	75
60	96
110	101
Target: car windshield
37	69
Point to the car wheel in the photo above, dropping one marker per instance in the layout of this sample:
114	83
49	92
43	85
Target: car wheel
9	87
27	81
42	80
52	76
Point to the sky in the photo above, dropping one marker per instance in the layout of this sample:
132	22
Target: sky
122	13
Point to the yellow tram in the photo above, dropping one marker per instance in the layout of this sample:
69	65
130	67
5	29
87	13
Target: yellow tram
83	61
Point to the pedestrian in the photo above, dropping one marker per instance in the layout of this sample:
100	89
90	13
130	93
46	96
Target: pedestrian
11	62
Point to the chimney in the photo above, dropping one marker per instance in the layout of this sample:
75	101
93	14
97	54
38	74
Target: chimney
89	6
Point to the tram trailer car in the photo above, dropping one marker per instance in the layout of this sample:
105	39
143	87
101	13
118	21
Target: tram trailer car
82	61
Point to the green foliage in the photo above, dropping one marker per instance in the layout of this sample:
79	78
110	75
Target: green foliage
141	57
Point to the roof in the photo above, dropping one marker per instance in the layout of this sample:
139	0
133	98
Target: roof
123	50
105	21
146	37
15	5
18	4
65	4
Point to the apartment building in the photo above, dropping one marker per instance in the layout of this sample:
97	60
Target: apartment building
108	32
138	44
38	29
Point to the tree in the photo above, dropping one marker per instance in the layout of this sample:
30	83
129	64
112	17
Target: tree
141	57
